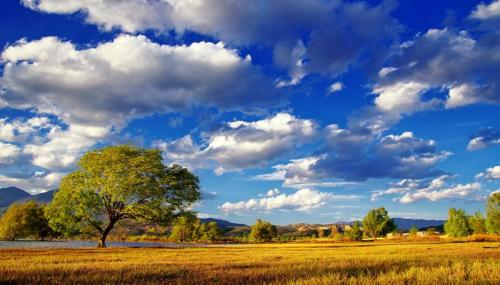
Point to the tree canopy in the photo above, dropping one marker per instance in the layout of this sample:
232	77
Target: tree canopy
493	213
377	223
24	220
117	183
263	231
457	224
354	233
188	228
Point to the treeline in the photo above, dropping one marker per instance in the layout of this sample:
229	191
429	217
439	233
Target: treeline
25	220
28	220
459	224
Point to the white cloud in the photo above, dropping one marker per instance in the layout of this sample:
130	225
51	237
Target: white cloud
302	200
243	144
356	154
490	173
64	147
94	91
99	85
386	70
336	87
411	190
460	95
486	11
484	138
298	173
130	16
20	130
442	61
402	97
458	191
39	182
8	152
219	171
280	24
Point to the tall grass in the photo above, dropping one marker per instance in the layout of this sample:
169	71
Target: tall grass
325	263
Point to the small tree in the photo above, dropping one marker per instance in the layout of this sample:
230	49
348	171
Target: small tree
24	220
477	223
182	229
263	231
117	183
493	213
457	224
354	233
11	223
378	223
413	231
212	232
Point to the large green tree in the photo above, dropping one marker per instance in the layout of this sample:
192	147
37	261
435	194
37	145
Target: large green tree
493	213
378	223
457	224
263	231
117	183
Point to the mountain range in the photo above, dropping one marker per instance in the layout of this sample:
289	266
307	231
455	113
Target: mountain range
10	195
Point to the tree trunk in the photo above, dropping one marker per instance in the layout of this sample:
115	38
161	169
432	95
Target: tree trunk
102	241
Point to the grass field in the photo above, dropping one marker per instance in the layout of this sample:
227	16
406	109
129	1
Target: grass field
325	263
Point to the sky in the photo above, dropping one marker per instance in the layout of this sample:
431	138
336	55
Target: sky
288	110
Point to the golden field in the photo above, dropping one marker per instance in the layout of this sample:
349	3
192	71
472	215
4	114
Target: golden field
293	263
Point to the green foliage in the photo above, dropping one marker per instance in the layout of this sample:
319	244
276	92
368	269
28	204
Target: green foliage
188	228
493	214
378	223
477	223
413	231
457	224
23	220
263	231
354	233
117	183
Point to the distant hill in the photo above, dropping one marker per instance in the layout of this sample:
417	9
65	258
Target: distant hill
10	195
222	223
44	197
406	224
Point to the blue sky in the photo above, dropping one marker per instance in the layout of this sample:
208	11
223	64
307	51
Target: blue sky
289	110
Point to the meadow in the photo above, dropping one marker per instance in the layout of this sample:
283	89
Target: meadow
291	263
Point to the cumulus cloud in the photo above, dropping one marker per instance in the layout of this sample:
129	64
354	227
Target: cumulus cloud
242	144
101	85
336	87
8	152
487	11
484	138
21	130
346	28
359	154
97	90
446	61
410	190
302	200
490	173
39	182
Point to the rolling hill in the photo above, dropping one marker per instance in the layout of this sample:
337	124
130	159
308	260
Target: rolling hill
10	195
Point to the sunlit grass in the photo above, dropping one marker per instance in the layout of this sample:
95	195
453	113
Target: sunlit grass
325	263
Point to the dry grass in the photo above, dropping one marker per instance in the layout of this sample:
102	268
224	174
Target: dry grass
325	263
